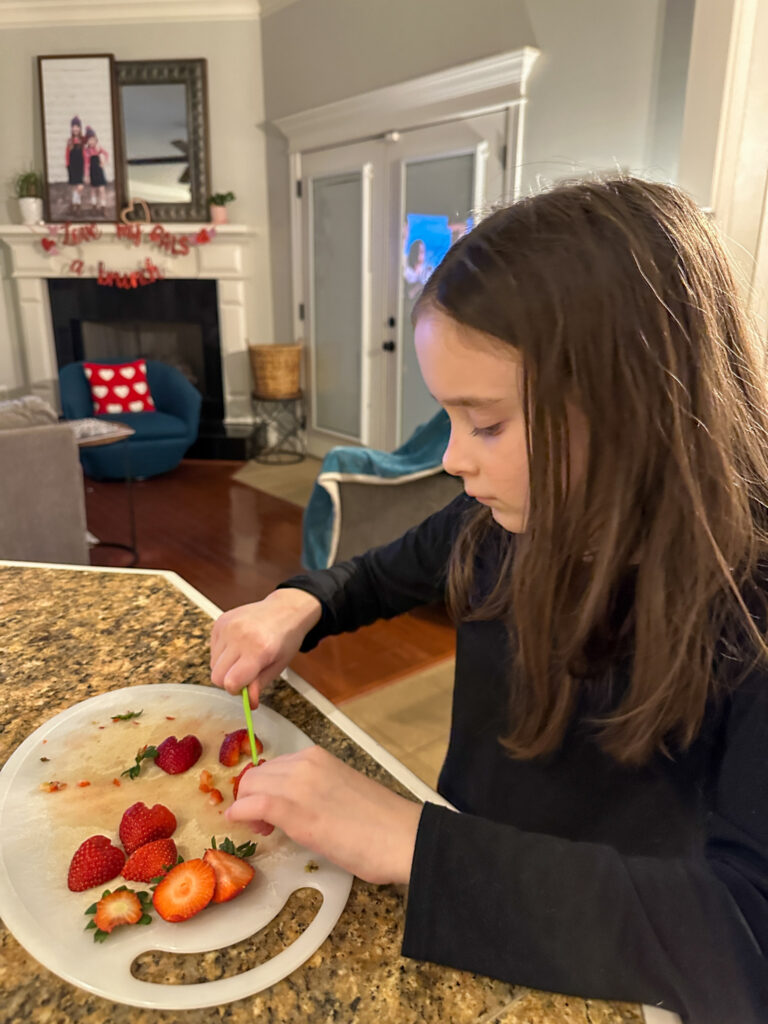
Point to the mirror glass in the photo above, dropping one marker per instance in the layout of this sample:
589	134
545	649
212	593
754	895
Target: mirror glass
156	137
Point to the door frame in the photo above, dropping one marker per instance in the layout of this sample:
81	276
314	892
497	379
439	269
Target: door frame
478	87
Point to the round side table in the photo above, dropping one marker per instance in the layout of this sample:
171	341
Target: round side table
283	422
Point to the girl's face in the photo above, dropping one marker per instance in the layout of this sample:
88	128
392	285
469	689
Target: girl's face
479	383
480	386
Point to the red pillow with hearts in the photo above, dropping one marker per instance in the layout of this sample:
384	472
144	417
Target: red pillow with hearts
119	387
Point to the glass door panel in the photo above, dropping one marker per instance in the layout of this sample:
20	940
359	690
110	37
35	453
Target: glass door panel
337	301
438	202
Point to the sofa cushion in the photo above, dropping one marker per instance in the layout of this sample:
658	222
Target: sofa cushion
119	387
150	426
29	411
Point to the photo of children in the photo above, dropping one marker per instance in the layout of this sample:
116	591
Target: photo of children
78	107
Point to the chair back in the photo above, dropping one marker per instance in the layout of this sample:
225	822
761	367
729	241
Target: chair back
42	500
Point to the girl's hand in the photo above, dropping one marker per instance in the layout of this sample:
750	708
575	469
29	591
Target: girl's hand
325	805
252	644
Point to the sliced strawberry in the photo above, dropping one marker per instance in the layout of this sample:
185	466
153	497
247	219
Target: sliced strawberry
141	825
185	891
215	797
235	744
150	860
120	907
95	861
177	756
233	874
247	768
206	781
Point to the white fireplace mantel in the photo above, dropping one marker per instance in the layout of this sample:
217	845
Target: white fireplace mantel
226	258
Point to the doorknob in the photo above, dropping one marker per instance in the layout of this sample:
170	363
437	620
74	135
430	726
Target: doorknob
388	346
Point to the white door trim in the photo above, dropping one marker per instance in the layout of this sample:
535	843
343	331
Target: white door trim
480	85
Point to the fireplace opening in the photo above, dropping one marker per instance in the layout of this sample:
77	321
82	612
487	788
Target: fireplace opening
175	321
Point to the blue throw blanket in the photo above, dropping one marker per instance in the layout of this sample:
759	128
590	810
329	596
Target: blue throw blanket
421	455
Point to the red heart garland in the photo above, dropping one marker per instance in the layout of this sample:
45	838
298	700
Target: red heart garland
202	237
48	244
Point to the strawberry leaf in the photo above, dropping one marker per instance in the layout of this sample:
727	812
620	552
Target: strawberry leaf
127	716
143	754
246	849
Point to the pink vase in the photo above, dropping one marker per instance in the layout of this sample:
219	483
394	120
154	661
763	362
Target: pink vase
218	214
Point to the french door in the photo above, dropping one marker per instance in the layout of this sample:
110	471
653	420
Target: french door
377	217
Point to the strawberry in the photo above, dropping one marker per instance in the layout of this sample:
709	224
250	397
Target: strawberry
95	861
232	874
123	906
141	825
186	890
150	860
206	781
176	756
215	797
248	767
235	744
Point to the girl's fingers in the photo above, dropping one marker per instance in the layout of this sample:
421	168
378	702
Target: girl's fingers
223	664
241	674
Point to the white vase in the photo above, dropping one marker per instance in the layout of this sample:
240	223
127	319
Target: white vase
31	210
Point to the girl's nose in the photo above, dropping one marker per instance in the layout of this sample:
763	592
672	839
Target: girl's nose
456	460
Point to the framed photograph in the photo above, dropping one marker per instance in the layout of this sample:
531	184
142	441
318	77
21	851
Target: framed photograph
80	139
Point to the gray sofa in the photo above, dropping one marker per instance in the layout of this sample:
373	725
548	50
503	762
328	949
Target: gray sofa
42	500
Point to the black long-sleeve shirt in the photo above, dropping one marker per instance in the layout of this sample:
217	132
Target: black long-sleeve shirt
572	873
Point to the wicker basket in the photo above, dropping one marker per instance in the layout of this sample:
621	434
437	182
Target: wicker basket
276	370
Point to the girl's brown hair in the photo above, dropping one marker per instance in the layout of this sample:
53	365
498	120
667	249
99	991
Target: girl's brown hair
620	298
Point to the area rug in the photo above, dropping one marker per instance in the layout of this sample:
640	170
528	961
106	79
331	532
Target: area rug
292	483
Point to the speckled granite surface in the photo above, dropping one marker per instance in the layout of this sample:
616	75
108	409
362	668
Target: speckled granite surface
66	635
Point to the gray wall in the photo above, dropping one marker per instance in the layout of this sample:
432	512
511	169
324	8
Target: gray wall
236	115
606	92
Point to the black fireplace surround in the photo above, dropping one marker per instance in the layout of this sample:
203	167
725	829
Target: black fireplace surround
184	309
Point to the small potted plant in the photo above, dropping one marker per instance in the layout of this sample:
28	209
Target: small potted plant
29	192
218	203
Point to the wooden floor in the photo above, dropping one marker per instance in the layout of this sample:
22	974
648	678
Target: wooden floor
234	544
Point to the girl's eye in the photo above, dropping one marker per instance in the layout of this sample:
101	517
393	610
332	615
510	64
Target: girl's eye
491	431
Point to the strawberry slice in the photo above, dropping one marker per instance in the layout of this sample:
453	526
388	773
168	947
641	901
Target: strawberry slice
177	756
119	907
236	784
141	825
95	861
235	744
185	891
233	874
151	860
206	781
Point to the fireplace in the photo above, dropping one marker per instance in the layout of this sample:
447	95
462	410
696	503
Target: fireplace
174	321
196	317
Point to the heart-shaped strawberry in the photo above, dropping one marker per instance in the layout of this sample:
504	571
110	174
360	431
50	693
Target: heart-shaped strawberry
95	862
176	756
48	244
141	824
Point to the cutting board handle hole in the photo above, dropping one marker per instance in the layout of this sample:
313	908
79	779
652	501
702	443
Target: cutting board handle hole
295	917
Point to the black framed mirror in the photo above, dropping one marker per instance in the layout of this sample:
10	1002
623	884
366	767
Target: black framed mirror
164	116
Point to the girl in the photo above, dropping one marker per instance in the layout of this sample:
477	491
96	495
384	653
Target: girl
608	753
96	156
74	160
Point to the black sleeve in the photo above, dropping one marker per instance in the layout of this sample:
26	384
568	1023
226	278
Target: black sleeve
688	934
385	581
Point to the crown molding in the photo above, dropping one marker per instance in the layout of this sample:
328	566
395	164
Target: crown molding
467	88
50	13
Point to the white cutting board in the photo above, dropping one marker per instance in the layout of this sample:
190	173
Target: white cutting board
39	832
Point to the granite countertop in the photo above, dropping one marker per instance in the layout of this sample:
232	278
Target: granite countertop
66	635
